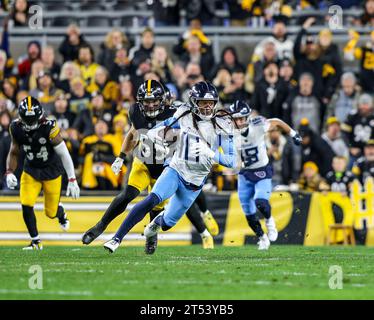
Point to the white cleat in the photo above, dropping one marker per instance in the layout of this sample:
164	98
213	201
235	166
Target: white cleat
152	228
65	226
111	245
263	242
272	229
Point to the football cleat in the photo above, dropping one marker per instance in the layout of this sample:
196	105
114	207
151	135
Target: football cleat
272	229
150	245
208	242
93	233
210	223
34	245
64	223
112	245
152	228
263	242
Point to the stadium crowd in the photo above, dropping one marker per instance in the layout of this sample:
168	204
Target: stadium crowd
302	81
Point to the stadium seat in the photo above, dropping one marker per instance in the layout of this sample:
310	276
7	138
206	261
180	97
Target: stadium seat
57	7
63	21
93	21
95	6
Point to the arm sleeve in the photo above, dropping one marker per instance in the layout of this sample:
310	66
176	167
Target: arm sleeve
67	162
228	158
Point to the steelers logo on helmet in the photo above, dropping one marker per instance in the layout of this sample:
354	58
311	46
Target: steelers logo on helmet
203	99
31	113
240	111
151	98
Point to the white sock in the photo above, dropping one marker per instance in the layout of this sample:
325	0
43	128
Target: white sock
35	238
205	233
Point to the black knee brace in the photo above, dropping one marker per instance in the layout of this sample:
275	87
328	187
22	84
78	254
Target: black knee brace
263	206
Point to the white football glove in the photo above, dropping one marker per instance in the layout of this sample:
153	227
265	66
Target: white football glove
201	149
11	181
117	165
73	189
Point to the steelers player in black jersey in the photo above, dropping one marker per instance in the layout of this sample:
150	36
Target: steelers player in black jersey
151	108
46	156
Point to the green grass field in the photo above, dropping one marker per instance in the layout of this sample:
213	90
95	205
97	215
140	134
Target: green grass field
284	272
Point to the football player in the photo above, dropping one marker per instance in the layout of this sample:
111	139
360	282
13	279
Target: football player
254	181
147	166
201	133
46	157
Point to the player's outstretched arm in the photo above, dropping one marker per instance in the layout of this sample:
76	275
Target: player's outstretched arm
128	145
11	164
274	122
62	151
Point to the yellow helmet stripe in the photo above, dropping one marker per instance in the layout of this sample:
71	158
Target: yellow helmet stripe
149	87
29	103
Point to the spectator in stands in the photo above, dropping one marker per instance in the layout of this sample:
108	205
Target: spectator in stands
19	13
193	76
114	41
137	54
310	180
86	63
364	166
126	96
239	17
179	77
195	53
334	137
69	71
366	57
304	104
270	93
5	119
162	64
137	75
9	90
308	58
345	99
86	119
332	65
64	117
46	92
287	74
339	179
222	80
256	69
367	18
108	88
50	65
315	149
121	65
359	127
80	98
235	90
72	42
203	10
283	44
30	81
25	62
98	151
166	13
5	71
229	61
194	30
280	152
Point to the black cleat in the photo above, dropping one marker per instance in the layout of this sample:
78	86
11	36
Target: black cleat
151	244
93	233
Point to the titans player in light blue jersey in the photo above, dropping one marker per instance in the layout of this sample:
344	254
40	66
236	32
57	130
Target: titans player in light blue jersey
254	181
201	134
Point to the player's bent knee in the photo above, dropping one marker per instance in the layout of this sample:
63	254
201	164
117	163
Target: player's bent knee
263	206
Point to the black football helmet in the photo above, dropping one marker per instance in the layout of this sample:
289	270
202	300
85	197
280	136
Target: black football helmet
31	113
151	98
203	91
240	109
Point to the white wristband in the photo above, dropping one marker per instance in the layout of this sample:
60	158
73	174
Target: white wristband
292	133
